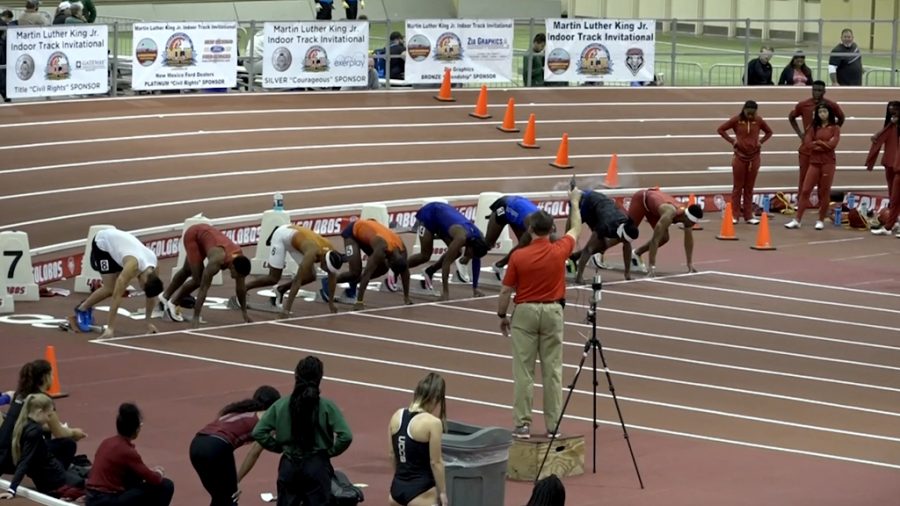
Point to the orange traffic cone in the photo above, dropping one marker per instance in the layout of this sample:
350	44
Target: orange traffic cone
509	119
612	173
727	231
562	156
481	106
444	94
763	240
529	141
55	391
691	201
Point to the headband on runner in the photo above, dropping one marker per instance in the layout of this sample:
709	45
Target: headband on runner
691	216
334	261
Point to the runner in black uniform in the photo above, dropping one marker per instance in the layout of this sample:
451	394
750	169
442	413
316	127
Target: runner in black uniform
415	436
610	225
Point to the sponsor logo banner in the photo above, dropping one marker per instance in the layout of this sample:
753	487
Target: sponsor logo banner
188	55
475	50
59	60
600	50
315	54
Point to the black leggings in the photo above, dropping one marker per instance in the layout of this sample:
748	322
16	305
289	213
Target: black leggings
143	495
213	459
306	481
63	449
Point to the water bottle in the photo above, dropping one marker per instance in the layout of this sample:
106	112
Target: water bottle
766	204
837	216
851	200
278	202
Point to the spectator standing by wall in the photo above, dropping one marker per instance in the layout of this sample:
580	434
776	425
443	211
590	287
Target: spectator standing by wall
32	15
805	110
397	50
63	10
537	274
119	476
76	16
796	73
533	62
351	7
759	70
845	64
323	9
88	10
308	431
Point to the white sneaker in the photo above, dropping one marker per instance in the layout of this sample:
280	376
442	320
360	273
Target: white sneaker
462	271
820	224
753	221
734	221
597	260
498	272
171	310
880	231
426	283
792	224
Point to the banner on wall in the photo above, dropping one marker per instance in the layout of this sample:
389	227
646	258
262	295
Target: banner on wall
184	55
60	60
600	50
315	54
475	50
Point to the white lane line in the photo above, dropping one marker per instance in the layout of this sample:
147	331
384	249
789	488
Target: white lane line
755	311
453	372
207	133
803	283
390	108
872	282
614	423
660	357
861	257
788	168
469	351
833	241
842	305
281	149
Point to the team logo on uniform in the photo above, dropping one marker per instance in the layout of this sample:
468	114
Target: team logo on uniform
634	59
58	67
316	60
179	51
595	61
25	67
448	47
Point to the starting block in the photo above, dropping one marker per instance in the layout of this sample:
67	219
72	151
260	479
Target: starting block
16	270
89	276
7	303
489	277
271	219
193	220
377	212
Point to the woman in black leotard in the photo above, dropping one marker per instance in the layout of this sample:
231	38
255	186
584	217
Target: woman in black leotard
415	434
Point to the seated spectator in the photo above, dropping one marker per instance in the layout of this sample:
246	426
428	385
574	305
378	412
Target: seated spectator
416	434
796	73
759	70
63	11
398	56
32	456
212	449
32	16
76	17
6	17
535	59
308	431
119	476
87	9
34	378
548	492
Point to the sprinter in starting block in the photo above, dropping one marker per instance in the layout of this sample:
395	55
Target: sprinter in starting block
384	250
119	257
201	243
661	211
462	237
512	211
307	248
609	226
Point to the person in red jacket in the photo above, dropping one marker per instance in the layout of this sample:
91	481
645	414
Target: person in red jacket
821	140
888	137
119	476
745	161
804	110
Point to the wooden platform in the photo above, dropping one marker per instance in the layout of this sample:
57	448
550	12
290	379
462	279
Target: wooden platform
566	457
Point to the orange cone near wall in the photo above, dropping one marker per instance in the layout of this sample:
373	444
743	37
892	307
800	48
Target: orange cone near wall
529	140
509	119
726	233
562	156
763	240
481	111
444	94
55	390
612	173
691	201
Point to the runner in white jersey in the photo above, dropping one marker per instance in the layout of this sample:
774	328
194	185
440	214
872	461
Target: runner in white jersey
119	257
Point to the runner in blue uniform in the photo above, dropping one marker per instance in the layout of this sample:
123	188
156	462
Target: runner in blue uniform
511	210
610	225
437	219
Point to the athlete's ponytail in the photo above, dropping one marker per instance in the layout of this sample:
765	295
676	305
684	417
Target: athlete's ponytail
304	405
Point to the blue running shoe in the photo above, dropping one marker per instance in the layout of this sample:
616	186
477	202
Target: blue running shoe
83	319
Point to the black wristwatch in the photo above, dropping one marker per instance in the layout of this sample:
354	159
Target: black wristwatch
501	315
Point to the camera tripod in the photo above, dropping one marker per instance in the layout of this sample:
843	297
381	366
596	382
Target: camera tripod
592	346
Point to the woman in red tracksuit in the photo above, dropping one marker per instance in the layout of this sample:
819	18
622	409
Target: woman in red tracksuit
889	137
745	161
822	140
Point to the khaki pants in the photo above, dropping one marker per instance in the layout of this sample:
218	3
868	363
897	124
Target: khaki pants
537	331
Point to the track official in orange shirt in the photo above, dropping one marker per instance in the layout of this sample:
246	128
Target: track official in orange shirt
537	273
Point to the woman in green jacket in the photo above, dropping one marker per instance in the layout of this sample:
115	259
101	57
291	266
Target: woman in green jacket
308	431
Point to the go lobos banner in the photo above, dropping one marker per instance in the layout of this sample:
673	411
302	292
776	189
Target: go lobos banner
591	50
316	54
475	50
189	55
54	61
